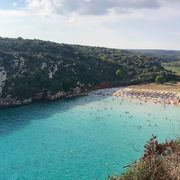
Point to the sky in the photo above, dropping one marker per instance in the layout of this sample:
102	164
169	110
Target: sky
124	24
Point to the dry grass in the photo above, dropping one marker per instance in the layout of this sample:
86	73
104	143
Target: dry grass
172	165
159	87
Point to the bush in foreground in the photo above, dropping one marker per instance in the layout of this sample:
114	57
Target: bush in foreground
160	161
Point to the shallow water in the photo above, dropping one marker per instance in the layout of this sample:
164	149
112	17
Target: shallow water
86	138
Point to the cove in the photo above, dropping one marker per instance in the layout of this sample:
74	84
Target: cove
85	138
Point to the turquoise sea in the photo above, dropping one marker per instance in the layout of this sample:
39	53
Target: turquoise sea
85	138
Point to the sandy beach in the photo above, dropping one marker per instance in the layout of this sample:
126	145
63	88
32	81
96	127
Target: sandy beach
165	94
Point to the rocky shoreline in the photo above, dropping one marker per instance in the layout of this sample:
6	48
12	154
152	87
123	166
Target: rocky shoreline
48	96
144	95
40	97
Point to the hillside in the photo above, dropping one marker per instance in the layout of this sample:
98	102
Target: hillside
163	55
173	66
32	70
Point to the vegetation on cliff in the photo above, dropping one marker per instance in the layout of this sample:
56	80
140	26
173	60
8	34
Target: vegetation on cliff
160	161
165	56
160	79
32	67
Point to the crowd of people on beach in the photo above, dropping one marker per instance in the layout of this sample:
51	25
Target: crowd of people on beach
106	92
164	97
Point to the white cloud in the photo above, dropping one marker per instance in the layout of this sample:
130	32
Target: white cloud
43	7
72	8
114	23
90	7
13	13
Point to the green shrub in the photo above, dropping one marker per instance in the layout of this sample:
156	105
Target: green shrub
120	73
160	79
